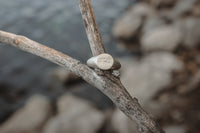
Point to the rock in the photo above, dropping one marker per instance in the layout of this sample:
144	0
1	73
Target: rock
191	32
30	118
62	75
127	26
164	38
144	78
152	23
122	124
167	16
196	10
174	129
143	10
130	23
183	7
69	103
75	116
157	108
162	3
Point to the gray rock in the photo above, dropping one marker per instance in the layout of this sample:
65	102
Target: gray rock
164	38
30	118
196	10
62	75
69	103
157	108
152	23
163	3
120	123
167	15
144	78
183	7
129	24
174	129
143	10
191	31
75	116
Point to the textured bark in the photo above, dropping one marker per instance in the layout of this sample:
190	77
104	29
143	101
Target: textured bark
107	83
103	80
91	27
113	87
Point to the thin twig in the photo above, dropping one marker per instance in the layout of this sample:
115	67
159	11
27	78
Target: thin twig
108	84
91	27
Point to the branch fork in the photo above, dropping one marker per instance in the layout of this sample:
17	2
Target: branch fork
107	83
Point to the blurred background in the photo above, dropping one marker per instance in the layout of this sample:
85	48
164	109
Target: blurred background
156	41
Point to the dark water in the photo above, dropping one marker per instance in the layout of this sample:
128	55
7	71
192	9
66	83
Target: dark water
55	23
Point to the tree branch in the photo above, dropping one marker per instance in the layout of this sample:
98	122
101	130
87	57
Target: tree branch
104	81
113	87
91	27
108	84
52	55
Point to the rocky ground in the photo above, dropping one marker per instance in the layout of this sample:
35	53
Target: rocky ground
165	76
161	69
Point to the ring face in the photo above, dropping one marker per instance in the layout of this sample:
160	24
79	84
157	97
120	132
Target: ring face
105	61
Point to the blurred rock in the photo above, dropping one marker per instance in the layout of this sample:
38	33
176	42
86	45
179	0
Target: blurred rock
127	26
152	23
174	129
164	38
30	118
156	108
130	23
122	124
166	15
62	75
69	104
196	10
151	74
183	7
143	10
165	74
75	116
191	32
162	3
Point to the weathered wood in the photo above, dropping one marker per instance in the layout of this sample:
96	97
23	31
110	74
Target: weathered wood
91	27
103	62
108	84
117	92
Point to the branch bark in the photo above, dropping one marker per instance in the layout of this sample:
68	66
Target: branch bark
108	84
120	96
103	80
91	27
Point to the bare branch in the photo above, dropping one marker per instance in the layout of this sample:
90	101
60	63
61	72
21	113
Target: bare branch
108	84
91	27
38	49
113	87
